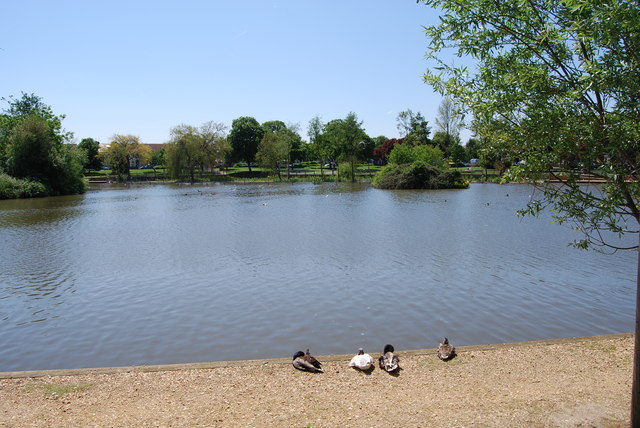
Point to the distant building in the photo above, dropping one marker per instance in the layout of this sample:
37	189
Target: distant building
155	147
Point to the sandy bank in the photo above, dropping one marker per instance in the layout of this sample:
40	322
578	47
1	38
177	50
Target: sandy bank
568	382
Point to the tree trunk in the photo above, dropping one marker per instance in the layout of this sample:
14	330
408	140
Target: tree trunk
635	386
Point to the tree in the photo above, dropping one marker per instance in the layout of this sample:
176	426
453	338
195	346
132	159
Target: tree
365	150
215	142
20	109
287	136
556	85
273	151
458	154
158	157
381	153
195	148
445	142
28	149
449	123
379	141
92	149
403	154
318	141
123	151
346	137
413	127
472	148
32	147
184	152
245	136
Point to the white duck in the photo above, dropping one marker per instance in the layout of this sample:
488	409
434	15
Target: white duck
361	361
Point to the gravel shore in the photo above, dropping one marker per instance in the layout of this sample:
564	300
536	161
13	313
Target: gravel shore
564	383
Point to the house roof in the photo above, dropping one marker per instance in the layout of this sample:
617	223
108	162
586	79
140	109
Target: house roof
155	147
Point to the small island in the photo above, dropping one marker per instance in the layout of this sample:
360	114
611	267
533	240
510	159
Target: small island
418	167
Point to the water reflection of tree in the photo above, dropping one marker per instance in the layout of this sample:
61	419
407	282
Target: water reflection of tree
35	270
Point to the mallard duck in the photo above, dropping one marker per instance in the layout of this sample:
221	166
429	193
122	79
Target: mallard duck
388	361
306	362
361	361
446	351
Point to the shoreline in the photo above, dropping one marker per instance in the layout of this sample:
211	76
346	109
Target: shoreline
325	358
583	381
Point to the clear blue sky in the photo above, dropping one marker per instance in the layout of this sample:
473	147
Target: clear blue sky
142	67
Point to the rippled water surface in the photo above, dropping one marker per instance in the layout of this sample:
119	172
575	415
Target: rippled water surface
172	274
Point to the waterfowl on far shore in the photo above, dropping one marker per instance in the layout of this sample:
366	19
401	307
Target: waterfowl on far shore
361	361
446	351
388	361
306	362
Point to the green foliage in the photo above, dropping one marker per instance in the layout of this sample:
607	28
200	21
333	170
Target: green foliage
413	127
123	151
346	139
32	147
21	108
245	136
555	84
92	150
316	140
472	149
417	175
158	157
273	150
345	173
403	154
449	122
117	155
280	145
458	154
28	150
417	167
192	149
445	142
14	188
68	176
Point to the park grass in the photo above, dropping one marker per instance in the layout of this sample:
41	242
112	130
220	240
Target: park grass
302	172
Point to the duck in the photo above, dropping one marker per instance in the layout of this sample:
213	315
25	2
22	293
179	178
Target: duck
446	351
306	362
388	361
361	361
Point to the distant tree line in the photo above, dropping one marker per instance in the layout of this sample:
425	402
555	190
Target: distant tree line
36	157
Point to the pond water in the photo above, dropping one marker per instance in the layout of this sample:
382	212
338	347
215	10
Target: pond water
160	274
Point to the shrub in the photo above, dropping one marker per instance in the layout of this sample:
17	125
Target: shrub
403	154
417	175
12	188
344	171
